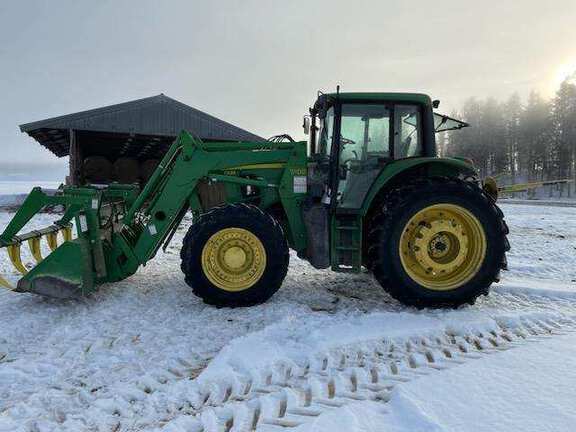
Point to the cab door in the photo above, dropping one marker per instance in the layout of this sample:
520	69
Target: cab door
371	136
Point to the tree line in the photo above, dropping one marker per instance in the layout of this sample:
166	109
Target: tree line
516	140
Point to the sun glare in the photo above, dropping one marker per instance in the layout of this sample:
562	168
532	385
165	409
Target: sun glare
565	71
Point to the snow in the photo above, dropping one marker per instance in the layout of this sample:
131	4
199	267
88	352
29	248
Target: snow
543	243
525	389
144	353
294	340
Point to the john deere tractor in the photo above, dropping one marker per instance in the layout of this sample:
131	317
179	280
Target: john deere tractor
367	191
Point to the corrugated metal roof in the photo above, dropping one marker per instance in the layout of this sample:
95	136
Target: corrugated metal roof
157	115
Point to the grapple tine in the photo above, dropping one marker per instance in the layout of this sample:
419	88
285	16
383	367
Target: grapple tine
4	283
14	254
67	233
34	245
52	240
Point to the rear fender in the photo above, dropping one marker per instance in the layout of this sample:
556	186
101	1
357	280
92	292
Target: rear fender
400	171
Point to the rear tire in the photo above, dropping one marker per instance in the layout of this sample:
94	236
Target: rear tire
439	242
235	255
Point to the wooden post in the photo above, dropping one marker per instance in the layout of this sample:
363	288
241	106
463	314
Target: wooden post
75	159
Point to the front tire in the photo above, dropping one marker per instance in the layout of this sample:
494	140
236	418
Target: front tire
235	255
438	243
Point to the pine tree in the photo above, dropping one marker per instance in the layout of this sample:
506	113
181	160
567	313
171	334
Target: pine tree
512	112
535	141
534	131
564	129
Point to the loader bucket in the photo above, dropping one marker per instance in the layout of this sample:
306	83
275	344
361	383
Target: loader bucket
65	273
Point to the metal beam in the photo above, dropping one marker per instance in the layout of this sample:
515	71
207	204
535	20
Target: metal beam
75	160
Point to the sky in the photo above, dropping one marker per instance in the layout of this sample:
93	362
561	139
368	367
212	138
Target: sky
259	64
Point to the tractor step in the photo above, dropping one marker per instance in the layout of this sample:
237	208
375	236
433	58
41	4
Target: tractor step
346	228
347	250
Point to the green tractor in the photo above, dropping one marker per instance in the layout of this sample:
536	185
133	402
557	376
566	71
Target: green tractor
367	190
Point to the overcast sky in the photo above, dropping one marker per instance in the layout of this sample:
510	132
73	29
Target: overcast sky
258	64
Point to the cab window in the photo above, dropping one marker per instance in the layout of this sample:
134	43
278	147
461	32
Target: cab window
326	132
407	131
364	132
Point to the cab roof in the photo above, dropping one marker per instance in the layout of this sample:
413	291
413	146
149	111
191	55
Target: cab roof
390	96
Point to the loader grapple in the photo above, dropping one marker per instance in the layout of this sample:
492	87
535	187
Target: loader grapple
68	270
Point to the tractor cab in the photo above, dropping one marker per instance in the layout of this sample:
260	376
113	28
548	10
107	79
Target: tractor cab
353	136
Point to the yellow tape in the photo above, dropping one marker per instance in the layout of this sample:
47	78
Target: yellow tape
14	254
34	245
258	166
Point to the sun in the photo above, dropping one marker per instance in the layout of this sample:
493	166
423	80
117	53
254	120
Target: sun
565	71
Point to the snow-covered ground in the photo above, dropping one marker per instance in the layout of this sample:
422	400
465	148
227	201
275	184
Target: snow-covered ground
329	352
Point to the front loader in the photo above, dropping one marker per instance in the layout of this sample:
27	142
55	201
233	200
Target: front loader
366	191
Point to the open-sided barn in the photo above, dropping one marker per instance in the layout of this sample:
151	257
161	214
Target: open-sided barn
124	142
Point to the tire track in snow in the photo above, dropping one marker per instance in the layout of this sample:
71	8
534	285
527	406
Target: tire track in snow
288	395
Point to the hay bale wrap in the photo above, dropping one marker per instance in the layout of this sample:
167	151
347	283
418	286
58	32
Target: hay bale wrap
127	170
97	169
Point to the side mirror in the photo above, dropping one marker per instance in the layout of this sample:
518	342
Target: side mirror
306	125
435	103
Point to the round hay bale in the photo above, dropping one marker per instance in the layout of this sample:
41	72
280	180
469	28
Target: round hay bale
97	169
127	170
147	168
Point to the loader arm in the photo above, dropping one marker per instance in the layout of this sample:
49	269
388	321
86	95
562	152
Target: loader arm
172	189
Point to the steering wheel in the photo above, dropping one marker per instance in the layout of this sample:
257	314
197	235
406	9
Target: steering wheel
346	141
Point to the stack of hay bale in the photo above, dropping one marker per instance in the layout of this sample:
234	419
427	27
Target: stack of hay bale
100	170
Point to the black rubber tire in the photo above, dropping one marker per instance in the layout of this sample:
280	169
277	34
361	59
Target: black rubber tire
250	218
399	206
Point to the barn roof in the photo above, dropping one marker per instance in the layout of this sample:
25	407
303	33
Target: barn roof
159	116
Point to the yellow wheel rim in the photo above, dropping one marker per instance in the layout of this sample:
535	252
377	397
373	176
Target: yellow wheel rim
233	259
442	247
